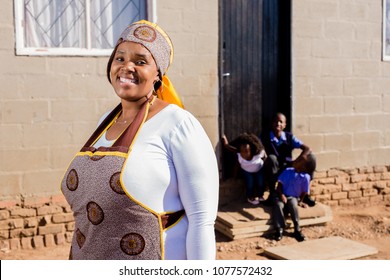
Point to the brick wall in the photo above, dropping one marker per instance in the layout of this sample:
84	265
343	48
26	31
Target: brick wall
341	103
334	187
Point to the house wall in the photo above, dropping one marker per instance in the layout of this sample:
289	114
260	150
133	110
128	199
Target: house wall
49	106
341	86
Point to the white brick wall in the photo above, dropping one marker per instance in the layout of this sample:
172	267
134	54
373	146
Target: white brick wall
340	83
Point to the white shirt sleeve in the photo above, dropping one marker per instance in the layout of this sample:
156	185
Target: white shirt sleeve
198	185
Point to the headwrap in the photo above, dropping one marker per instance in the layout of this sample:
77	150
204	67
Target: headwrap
158	43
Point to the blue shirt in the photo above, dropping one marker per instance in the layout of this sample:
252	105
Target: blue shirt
296	143
294	183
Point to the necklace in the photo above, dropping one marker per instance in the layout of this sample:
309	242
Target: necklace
116	121
126	121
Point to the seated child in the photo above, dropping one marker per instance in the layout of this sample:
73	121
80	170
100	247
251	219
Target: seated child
251	156
292	186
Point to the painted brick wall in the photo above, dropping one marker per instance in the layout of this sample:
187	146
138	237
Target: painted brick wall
341	97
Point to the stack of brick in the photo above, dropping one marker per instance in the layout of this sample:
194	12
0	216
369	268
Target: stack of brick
356	186
35	223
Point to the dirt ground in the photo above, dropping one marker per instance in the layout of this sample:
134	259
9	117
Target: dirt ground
368	225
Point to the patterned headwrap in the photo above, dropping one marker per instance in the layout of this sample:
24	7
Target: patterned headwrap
153	38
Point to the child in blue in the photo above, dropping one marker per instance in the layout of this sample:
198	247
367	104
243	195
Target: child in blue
251	156
292	186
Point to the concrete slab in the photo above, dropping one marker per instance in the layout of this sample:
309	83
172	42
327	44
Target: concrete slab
238	221
329	248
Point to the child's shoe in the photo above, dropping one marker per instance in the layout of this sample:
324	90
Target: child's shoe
299	236
278	234
253	201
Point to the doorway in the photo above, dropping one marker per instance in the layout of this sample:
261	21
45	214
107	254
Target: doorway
254	67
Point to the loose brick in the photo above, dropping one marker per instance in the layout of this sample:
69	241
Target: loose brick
62	218
49	240
354	194
30	223
53	209
358	178
37	242
26	243
362	201
370	192
22	232
4	234
364	185
4	245
4	214
68	237
349	187
59	238
346	202
14	243
23	212
51	229
339	195
342	179
70	226
11	224
380	169
325	181
385	176
35	201
375	199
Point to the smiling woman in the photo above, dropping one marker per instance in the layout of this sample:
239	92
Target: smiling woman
145	184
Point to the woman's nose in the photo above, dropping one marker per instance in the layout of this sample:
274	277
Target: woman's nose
128	66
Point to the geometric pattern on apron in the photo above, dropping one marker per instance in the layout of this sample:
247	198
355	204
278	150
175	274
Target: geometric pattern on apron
108	224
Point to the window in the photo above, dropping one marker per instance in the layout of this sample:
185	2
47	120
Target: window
74	27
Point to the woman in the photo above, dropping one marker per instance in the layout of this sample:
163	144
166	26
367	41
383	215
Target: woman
145	185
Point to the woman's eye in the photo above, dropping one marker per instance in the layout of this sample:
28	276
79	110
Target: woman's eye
140	62
119	58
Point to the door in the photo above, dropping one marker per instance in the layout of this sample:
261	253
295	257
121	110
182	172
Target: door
255	67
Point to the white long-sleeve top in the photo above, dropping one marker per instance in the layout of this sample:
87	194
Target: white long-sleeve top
172	166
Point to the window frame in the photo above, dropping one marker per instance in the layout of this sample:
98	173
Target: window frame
21	50
385	28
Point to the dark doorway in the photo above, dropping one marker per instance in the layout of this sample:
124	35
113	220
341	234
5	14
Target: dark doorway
255	67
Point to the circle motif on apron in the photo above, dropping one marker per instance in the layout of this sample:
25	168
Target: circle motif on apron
132	243
72	180
80	238
95	213
115	183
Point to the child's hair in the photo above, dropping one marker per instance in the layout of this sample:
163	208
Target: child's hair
310	163
251	139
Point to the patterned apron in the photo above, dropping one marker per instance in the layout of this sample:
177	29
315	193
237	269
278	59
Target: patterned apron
109	224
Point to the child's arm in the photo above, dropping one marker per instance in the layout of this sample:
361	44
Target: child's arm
279	191
225	143
301	203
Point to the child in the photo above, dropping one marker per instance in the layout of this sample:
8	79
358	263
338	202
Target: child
279	145
293	185
251	156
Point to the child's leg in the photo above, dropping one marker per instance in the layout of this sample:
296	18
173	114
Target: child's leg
278	215
259	183
249	184
292	206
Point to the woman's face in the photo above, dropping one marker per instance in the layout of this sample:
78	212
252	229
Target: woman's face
133	71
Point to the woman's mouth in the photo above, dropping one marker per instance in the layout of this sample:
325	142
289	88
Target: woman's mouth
127	81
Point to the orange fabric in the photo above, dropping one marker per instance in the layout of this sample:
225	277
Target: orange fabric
168	93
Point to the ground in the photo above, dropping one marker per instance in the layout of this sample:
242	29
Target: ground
369	225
